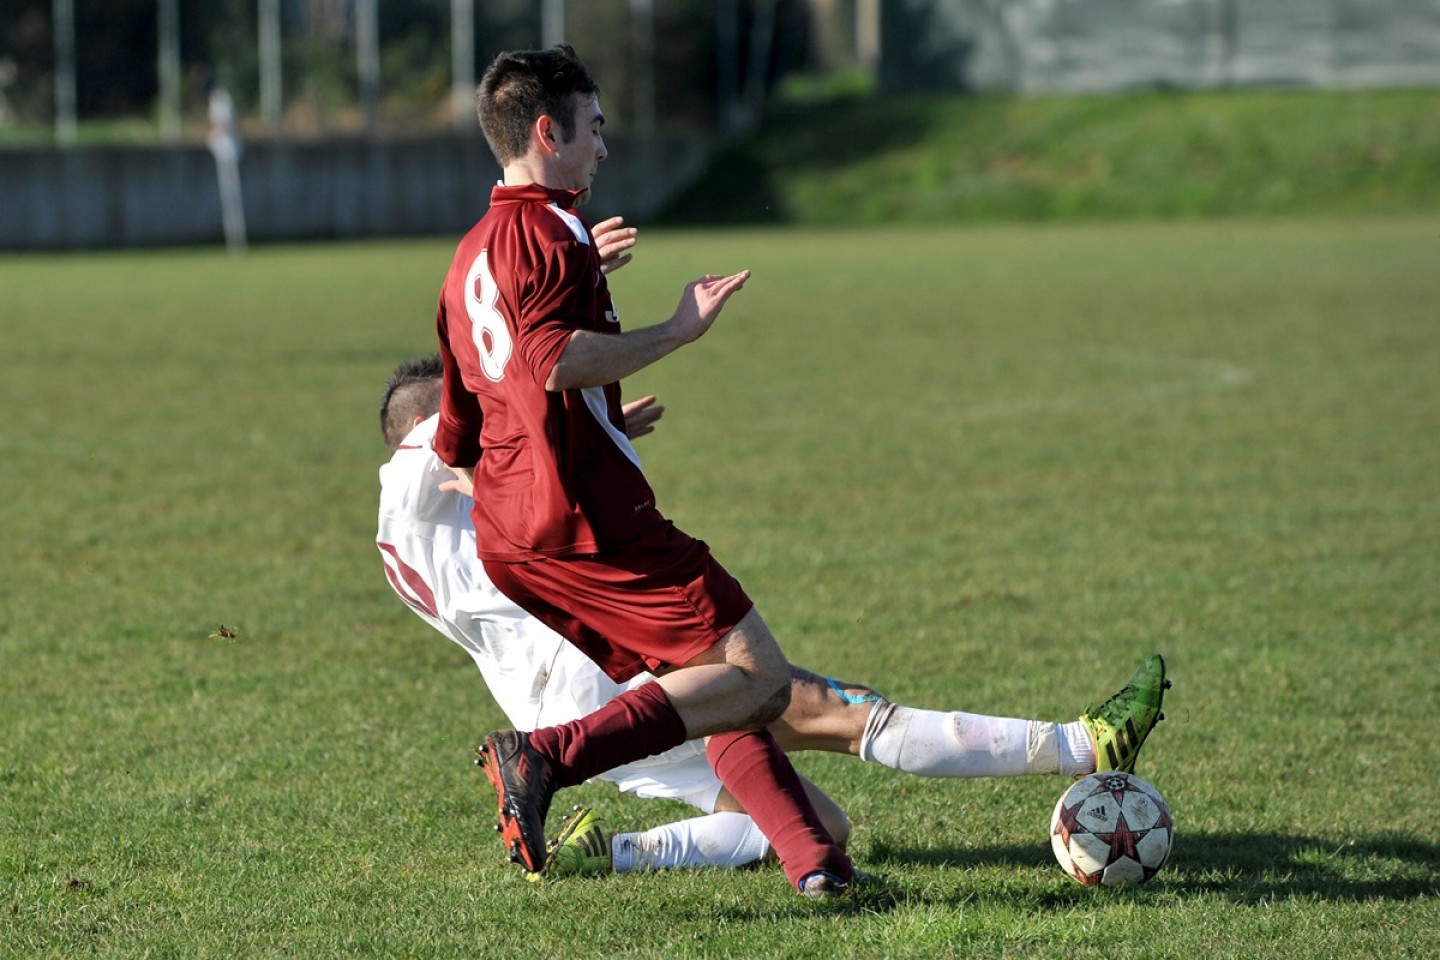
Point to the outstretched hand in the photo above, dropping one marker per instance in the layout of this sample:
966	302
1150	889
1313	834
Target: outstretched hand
613	240
702	302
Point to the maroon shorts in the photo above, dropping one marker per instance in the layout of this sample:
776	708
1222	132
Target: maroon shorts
653	603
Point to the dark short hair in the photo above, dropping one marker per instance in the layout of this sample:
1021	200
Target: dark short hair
413	390
520	87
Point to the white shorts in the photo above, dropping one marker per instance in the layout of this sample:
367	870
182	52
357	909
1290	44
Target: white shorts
682	773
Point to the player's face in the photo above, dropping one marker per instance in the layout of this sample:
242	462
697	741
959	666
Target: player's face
577	161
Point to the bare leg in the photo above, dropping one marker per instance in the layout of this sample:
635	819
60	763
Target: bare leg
819	719
740	683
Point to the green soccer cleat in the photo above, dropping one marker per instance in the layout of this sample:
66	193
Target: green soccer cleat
581	849
1120	725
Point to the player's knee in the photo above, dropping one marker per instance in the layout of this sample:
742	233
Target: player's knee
775	704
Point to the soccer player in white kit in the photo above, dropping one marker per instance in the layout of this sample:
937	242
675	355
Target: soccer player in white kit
427	541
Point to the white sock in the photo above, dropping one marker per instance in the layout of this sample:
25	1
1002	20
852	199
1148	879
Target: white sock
1077	749
932	743
717	840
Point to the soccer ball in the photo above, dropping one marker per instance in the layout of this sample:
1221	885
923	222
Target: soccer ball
1111	829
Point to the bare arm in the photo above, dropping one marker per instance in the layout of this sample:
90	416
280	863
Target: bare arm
595	359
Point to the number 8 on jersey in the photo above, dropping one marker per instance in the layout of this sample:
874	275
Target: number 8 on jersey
487	326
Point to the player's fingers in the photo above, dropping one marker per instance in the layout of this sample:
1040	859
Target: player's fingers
611	264
640	416
605	226
716	282
613	243
727	286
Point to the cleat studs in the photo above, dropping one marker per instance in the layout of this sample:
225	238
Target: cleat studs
1168	685
499	827
1159	718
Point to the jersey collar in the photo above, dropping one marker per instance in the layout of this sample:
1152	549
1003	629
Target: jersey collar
534	193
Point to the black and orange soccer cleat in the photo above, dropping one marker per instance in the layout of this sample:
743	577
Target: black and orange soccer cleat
524	784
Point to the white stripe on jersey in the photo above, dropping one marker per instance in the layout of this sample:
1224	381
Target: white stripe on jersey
595	400
573	222
595	396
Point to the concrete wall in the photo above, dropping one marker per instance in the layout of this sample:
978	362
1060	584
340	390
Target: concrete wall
1038	46
90	197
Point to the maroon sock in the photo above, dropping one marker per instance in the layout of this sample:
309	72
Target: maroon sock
758	774
638	723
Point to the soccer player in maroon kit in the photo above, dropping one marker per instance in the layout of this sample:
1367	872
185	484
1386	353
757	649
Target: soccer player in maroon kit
533	355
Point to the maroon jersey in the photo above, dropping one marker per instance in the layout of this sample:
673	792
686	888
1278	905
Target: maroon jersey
555	474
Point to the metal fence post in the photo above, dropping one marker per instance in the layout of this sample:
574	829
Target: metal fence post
462	64
64	20
271	101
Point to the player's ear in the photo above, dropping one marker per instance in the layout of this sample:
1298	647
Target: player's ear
543	132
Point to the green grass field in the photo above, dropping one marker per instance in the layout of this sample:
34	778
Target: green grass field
982	469
938	159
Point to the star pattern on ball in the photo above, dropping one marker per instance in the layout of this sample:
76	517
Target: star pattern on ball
1123	841
1069	821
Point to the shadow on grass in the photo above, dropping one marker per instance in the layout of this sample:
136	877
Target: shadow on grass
1246	868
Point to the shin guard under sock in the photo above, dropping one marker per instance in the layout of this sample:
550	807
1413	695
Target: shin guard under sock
638	723
759	775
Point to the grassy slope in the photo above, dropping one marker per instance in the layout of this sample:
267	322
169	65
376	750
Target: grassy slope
982	468
932	159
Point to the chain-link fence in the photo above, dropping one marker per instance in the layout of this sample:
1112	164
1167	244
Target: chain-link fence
1033	46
